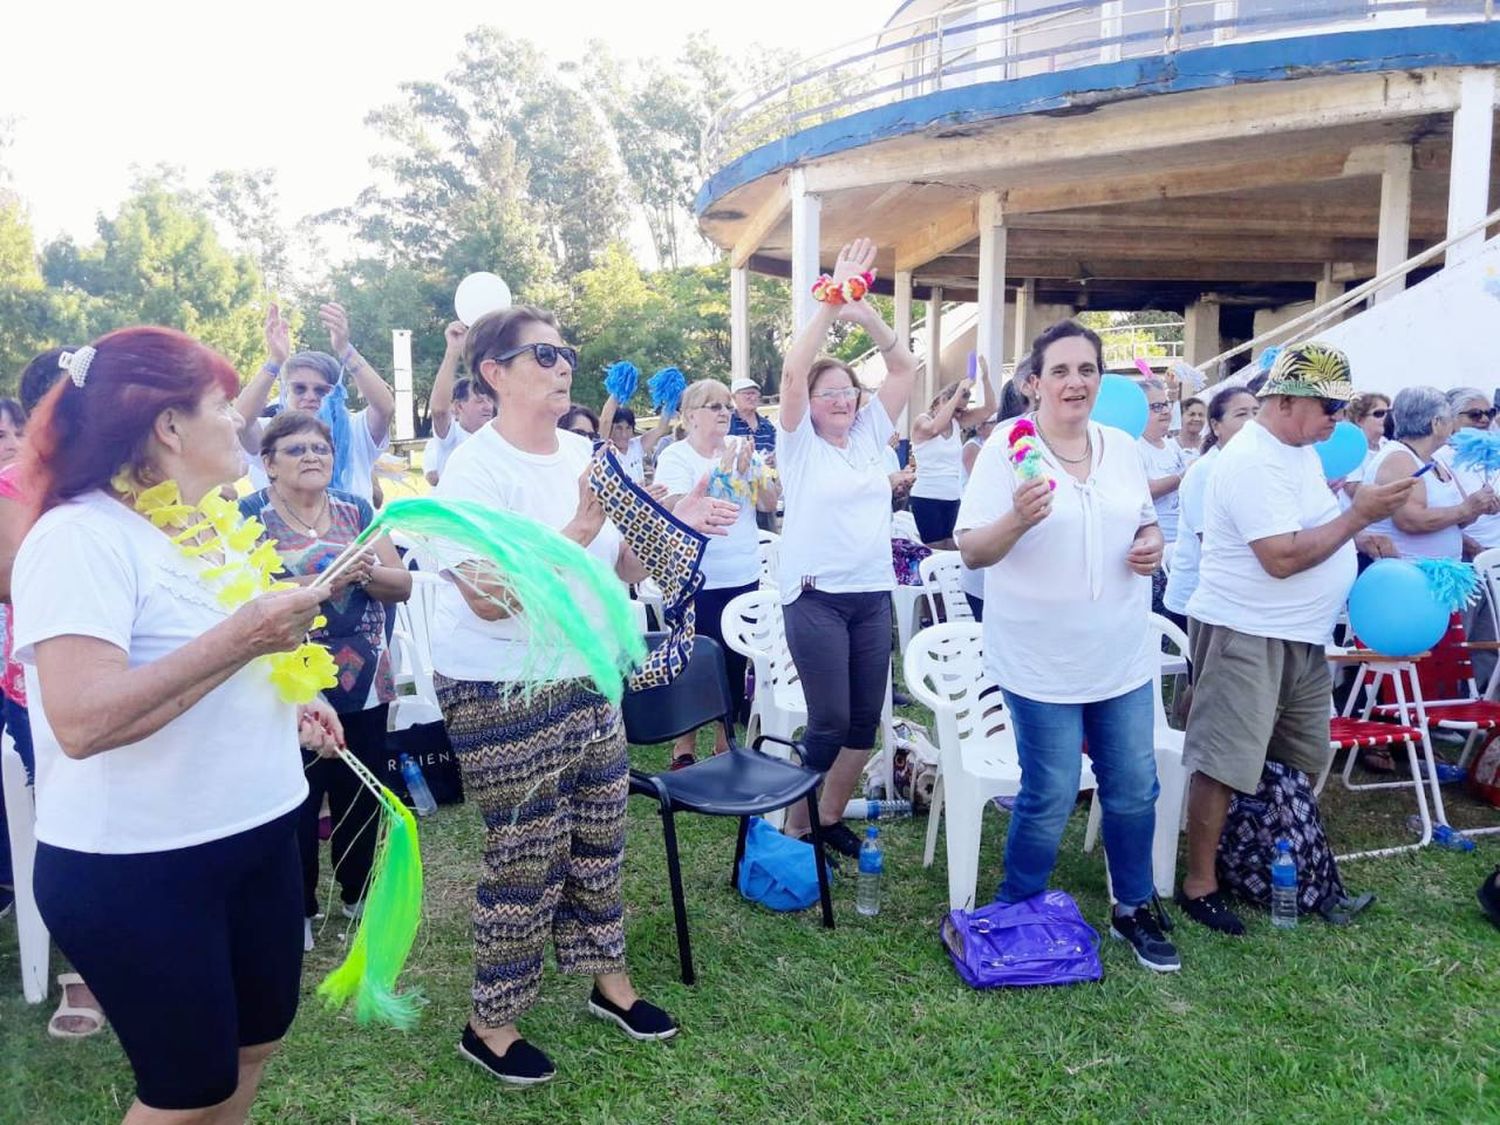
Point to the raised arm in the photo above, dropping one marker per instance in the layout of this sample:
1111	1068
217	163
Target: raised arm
376	391
652	437
440	402
972	415
252	399
936	424
607	416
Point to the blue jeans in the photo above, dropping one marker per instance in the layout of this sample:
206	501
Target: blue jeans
1049	737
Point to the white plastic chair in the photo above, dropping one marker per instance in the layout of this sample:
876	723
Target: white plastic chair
1171	778
20	815
649	594
943	587
770	559
411	653
977	758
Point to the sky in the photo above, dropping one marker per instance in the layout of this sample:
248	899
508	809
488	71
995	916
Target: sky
93	88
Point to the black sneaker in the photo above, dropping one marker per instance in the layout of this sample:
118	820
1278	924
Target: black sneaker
1211	910
1145	930
642	1021
841	839
521	1065
1489	896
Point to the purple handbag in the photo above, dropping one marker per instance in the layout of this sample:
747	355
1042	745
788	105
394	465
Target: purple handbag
1043	940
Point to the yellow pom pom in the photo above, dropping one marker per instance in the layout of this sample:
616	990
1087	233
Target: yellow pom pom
300	675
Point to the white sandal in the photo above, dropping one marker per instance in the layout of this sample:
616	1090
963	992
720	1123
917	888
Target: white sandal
66	1011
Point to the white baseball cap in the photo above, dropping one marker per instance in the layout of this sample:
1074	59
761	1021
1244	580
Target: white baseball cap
743	384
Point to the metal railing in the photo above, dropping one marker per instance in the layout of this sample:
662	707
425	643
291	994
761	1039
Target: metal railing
998	40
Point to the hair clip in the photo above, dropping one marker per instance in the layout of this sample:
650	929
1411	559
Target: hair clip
76	364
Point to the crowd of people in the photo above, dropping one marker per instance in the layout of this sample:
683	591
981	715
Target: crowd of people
179	797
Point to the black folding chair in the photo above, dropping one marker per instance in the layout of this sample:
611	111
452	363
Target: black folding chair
739	782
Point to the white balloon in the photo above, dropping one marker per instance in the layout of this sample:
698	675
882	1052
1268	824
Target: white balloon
478	294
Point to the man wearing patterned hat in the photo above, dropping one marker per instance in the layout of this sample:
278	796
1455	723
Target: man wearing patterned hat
1277	564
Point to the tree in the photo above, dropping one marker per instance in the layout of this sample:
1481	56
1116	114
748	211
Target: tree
249	203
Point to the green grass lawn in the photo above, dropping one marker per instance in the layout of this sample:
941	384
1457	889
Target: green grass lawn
1396	1017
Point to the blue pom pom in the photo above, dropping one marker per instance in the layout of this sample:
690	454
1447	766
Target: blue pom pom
621	379
1453	584
1476	449
666	387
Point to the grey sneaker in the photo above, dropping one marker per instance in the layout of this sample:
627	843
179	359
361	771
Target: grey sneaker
1145	930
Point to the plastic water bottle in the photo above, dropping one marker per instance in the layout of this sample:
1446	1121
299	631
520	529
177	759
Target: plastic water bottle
871	867
869	808
1284	887
416	785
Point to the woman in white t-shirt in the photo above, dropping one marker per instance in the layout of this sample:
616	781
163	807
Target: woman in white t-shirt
835	549
1189	438
314	381
617	425
544	762
937	445
731	565
1430	524
1228	411
1067	630
167	775
1162	459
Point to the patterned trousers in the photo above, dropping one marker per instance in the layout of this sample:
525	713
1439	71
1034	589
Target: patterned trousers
549	775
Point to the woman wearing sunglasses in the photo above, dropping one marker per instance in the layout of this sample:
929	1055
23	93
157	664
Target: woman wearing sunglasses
580	420
312	523
731	565
1431	523
1370	411
836	574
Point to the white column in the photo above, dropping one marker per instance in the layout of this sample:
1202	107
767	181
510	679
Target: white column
1395	218
1200	331
806	212
902	327
1025	313
739	323
406	405
990	329
933	376
1469	171
1328	289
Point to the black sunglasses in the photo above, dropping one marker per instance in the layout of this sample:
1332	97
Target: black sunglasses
319	449
1476	415
546	354
1332	406
1379	412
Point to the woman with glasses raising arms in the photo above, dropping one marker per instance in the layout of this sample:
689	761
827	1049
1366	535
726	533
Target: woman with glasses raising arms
836	574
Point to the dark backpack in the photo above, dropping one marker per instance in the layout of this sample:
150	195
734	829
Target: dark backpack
1282	807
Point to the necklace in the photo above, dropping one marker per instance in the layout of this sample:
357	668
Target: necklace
312	528
1088	448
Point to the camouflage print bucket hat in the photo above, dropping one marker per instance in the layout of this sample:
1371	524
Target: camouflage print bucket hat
1310	370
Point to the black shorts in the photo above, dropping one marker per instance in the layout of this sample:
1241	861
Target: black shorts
936	519
193	953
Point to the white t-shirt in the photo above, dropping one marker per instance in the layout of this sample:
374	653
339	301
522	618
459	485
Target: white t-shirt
837	526
730	560
362	457
633	460
939	466
1065	620
1188	455
1167	461
1447	543
1486	529
94	568
491	470
1182	580
972	580
1261	487
436	452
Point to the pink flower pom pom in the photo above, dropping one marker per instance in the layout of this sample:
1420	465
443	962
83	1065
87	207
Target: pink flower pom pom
1023	428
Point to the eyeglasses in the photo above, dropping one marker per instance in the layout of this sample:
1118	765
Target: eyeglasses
1379	413
1161	407
585	431
838	394
546	354
717	407
320	390
1478	415
1332	406
318	448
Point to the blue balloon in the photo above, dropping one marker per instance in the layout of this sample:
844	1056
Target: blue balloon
1393	612
1342	451
1122	404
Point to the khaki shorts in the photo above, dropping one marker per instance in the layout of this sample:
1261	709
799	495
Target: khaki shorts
1255	698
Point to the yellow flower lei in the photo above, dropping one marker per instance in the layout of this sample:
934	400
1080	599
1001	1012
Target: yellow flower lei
247	571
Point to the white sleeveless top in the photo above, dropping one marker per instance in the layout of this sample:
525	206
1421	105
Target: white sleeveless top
1445	544
940	466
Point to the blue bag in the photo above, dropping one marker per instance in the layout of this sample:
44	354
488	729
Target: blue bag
1043	940
778	871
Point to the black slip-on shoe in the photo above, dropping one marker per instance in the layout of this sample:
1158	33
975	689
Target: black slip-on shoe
841	839
1211	910
643	1021
521	1065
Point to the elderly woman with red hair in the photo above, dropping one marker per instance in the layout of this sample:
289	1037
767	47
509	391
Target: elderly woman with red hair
168	780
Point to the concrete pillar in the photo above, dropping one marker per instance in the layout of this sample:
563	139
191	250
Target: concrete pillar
1200	331
901	283
1469	172
1025	319
990	325
1327	288
406	406
1395	218
807	210
932	377
739	323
